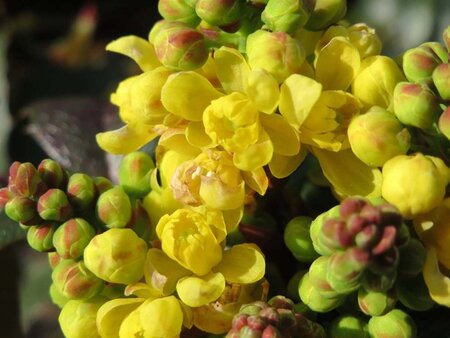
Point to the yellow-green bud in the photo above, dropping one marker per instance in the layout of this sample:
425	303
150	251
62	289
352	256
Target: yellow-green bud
446	37
57	297
287	15
74	281
444	123
72	237
78	318
441	80
348	326
134	173
394	324
180	47
377	136
414	184
54	206
102	184
53	175
374	303
114	208
40	238
420	62
22	210
179	10
326	13
415	105
116	256
276	52
298	240
318	277
365	39
24	180
53	259
219	12
81	191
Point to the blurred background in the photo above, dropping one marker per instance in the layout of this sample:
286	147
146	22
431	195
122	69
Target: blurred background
55	81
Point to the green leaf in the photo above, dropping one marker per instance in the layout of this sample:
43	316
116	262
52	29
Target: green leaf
10	231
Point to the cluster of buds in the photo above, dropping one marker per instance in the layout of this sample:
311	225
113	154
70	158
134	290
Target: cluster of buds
366	250
275	318
190	29
95	233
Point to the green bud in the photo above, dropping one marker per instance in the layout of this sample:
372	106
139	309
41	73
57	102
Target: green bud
53	259
102	184
446	38
377	136
117	256
78	318
374	303
316	230
180	47
72	237
314	299
412	258
178	10
444	123
22	210
134	174
415	105
220	12
292	286
54	206
420	62
276	52
24	180
81	191
345	269
40	238
74	281
57	297
441	80
438	49
298	240
326	13
53	175
413	293
287	15
394	324
318	277
380	283
348	326
114	208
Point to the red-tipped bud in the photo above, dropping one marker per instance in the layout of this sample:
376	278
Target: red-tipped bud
54	206
81	191
441	80
444	123
114	208
5	196
72	237
24	180
53	175
102	184
22	210
40	238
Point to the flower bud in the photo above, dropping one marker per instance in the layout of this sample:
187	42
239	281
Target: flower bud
298	240
420	62
134	173
441	80
446	38
287	16
178	10
40	238
378	282
102	184
57	297
413	293
377	136
22	210
414	184
5	196
114	208
54	206
326	13
365	39
78	317
374	303
53	259
395	324
180	47
116	256
415	105
412	258
53	175
75	281
219	12
72	237
444	123
314	299
81	191
318	277
276	52
348	326
24	180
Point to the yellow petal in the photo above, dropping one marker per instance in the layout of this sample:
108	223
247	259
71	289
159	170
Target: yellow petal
242	264
232	218
337	64
217	195
111	315
175	139
138	49
131	325
298	95
438	284
282	166
349	175
161	317
197	137
284	138
255	155
231	69
140	290
162	273
197	291
187	94
256	180
215	318
263	90
124	140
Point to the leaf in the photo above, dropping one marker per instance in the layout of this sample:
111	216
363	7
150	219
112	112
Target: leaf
10	231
